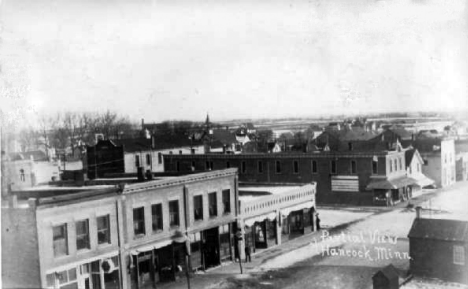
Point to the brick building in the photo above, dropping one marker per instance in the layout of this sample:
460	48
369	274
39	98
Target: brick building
121	237
357	177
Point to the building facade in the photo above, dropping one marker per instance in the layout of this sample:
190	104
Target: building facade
123	237
342	177
438	249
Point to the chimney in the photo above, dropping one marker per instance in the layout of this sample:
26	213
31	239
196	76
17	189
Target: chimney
418	212
153	142
142	123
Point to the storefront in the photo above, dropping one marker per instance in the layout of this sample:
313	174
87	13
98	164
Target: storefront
260	231
96	273
389	192
153	264
297	220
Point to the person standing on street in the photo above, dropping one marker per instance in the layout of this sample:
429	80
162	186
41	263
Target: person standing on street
248	258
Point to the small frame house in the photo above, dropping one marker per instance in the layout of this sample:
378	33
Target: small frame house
438	249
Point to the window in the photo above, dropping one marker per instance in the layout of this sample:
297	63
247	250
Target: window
192	151
139	221
333	167
22	176
209	165
395	165
213	205
60	240
160	158
198	207
66	279
137	161
458	255
296	167
353	167
418	168
174	213
157	216
314	167
82	235
170	152
103	229
278	167
243	167
148	159
228	165
375	166
180	152
227	201
260	167
400	163
391	165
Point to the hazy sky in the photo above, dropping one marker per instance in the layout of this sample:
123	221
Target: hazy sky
178	59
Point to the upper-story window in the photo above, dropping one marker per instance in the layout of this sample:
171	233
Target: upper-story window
103	230
314	167
137	161
198	207
157	216
213	204
139	221
227	201
375	166
353	167
296	167
260	167
333	167
278	167
148	159
160	158
418	167
82	234
458	255
390	165
180	152
60	240
395	164
174	213
400	163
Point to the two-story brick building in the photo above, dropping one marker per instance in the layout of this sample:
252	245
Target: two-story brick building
357	177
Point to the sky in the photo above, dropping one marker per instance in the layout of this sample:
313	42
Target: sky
179	59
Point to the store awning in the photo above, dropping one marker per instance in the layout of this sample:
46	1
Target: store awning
270	216
423	181
391	184
306	205
151	247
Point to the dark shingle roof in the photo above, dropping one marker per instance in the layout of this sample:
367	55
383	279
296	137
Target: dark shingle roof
409	156
440	229
389	272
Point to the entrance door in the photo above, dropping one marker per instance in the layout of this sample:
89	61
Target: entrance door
211	247
260	235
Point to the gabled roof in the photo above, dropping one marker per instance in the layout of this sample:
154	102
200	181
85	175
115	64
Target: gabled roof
389	272
440	229
224	136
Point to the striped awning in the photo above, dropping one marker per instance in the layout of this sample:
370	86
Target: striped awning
302	206
270	216
391	184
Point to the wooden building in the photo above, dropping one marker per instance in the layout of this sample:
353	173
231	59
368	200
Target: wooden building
438	249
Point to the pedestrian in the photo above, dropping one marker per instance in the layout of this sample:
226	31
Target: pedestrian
248	258
318	222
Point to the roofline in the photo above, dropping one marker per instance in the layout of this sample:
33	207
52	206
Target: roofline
132	188
353	154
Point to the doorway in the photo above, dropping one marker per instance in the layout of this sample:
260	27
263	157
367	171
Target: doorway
211	248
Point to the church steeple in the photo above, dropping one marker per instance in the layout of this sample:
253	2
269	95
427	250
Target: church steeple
208	128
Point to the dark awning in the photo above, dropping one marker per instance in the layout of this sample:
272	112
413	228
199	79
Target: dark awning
391	184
